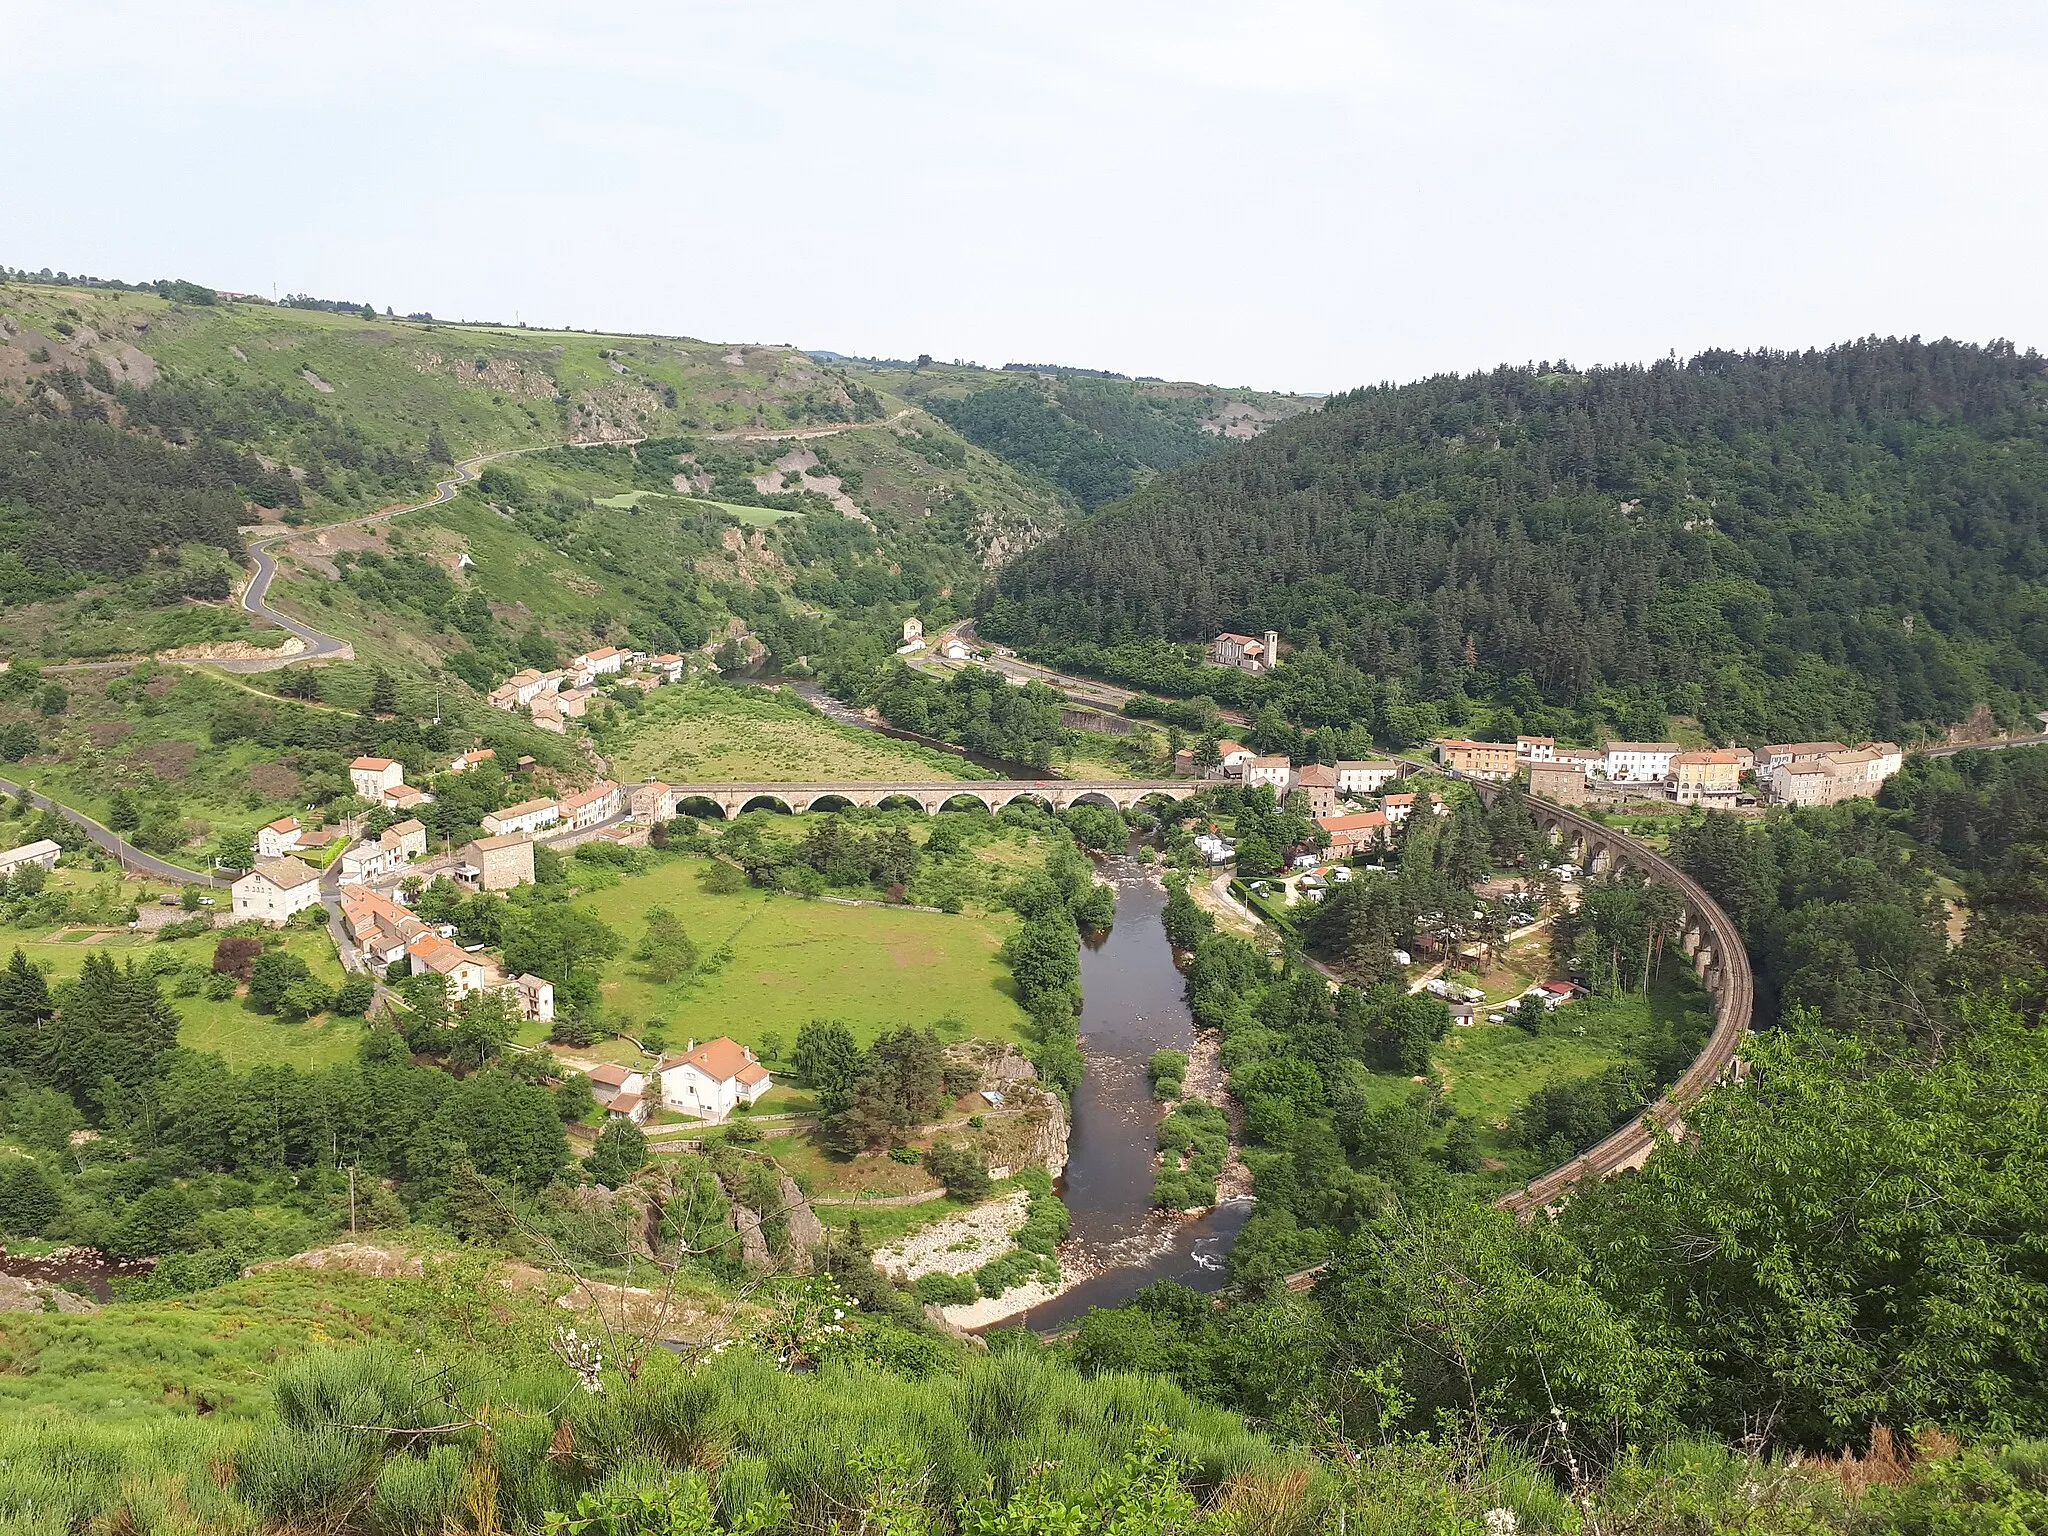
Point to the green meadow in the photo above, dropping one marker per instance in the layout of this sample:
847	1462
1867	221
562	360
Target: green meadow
794	960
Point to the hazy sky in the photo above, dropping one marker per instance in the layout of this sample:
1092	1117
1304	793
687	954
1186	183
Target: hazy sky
1274	192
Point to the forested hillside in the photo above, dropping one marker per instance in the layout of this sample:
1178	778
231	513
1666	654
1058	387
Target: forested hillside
1822	544
1096	436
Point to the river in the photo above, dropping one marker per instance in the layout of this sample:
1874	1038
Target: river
1133	1003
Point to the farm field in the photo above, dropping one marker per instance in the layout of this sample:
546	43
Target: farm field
703	733
794	960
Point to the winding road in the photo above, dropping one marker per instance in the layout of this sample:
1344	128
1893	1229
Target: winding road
319	645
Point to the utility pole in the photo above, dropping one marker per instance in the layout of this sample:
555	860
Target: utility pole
351	1199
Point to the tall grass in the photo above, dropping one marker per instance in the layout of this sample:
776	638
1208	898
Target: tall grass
139	1477
388	1444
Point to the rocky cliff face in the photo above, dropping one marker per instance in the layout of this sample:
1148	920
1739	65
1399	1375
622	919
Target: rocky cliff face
1032	1130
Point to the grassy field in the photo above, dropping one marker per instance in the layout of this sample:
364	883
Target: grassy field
243	1038
705	732
796	960
1490	1070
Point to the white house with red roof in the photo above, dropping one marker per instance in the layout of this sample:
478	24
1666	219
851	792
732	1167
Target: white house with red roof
711	1080
278	839
598	803
603	661
374	776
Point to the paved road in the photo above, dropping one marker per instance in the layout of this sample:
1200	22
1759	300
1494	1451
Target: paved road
320	644
130	856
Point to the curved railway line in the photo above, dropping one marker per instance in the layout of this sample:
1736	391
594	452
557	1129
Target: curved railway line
1716	951
1715	948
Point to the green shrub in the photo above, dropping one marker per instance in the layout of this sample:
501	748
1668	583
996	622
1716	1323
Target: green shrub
946	1290
418	1495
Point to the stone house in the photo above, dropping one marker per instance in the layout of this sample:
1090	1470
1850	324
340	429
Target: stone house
275	890
496	863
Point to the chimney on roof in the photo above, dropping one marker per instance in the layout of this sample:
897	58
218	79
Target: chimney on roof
691	1046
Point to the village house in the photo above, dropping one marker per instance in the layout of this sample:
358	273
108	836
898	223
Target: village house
469	760
1244	652
465	972
1587	760
380	927
496	863
364	861
524	687
536	996
609	1079
598	803
373	777
653	801
1640	762
547	716
602	662
1774	757
1564	783
40	854
279	838
1232	758
1806	782
285	836
1319	782
1348	834
1848	774
527	816
573	703
1704	778
1276	770
1535	749
407	797
1366	778
273	891
668	667
1479	759
712	1079
404	841
1399	807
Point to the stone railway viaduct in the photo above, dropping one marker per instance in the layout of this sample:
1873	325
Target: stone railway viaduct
1710	941
933	796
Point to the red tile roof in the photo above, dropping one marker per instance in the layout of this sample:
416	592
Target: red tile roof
721	1060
